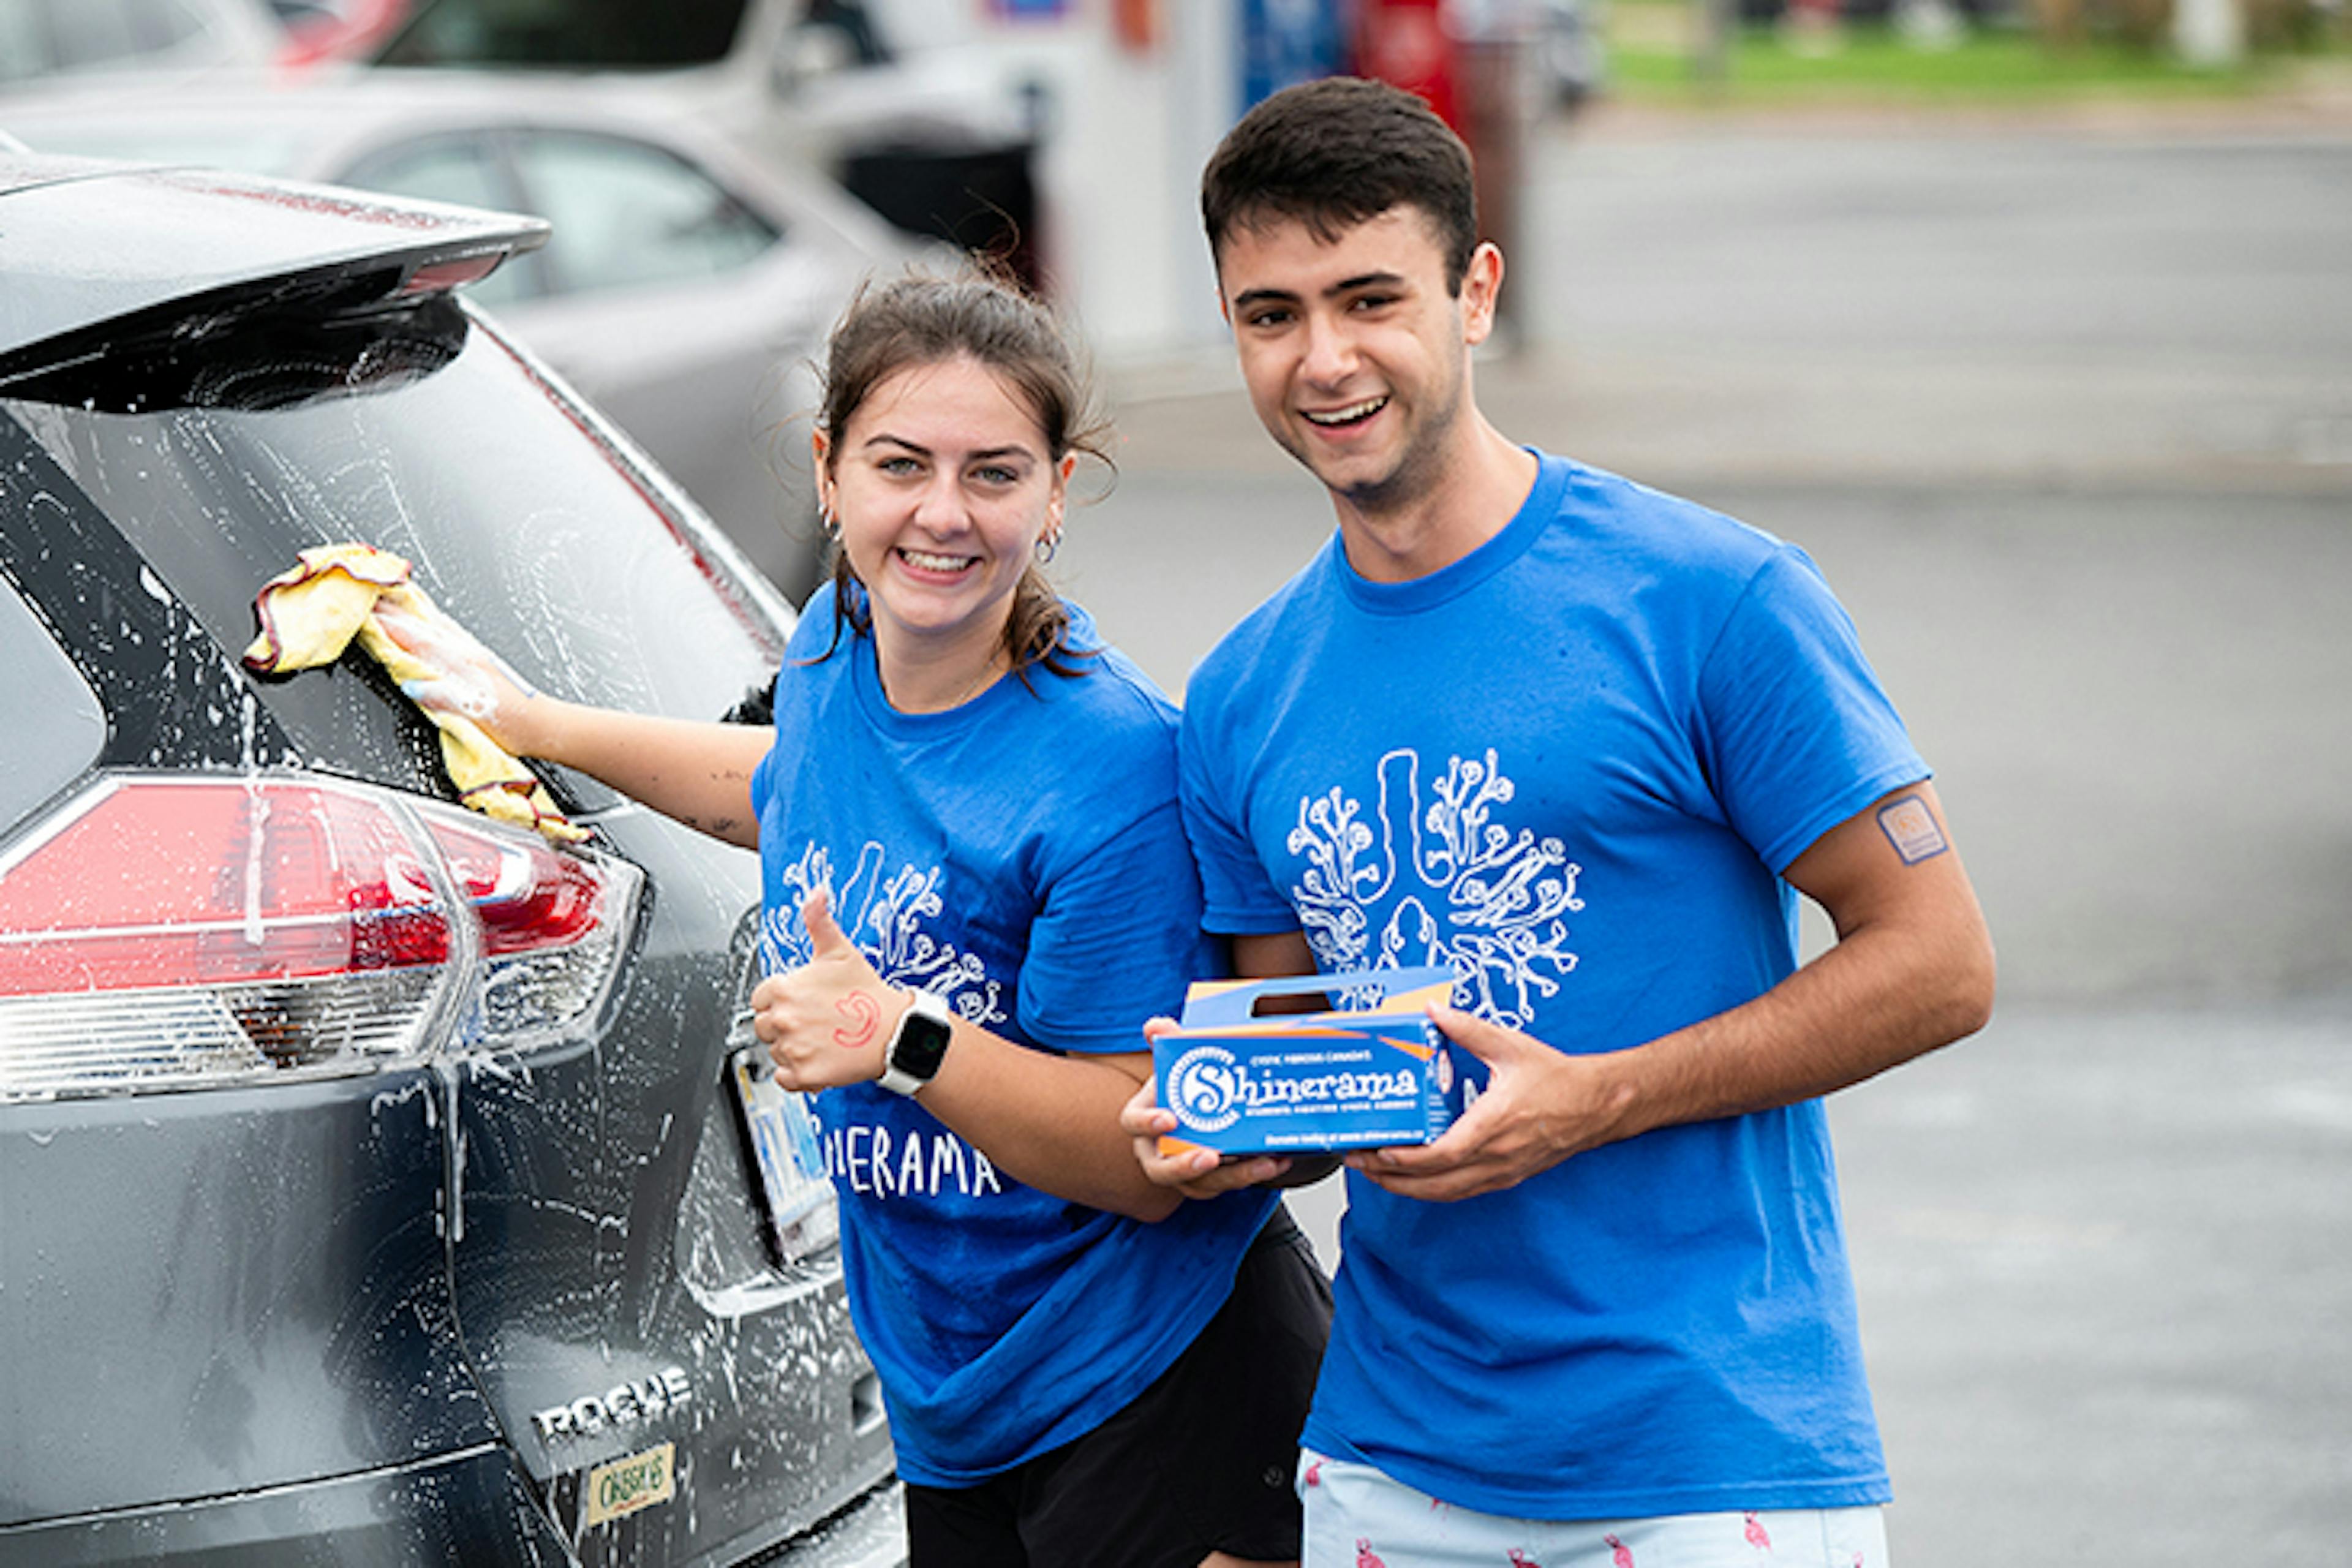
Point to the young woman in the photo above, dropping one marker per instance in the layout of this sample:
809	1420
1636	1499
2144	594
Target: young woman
977	889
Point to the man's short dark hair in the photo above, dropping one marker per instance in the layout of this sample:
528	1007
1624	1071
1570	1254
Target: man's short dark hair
1335	152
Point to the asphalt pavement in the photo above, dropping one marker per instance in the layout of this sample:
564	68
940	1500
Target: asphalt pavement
2064	411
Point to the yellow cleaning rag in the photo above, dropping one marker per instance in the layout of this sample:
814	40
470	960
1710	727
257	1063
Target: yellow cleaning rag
309	614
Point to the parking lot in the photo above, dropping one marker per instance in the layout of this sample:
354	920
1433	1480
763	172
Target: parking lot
2064	413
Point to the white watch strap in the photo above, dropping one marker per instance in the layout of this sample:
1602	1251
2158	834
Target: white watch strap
899	1082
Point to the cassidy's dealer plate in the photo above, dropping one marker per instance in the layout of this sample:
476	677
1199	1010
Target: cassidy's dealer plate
625	1486
780	1138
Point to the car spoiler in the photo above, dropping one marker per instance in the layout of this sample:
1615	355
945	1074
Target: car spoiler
90	248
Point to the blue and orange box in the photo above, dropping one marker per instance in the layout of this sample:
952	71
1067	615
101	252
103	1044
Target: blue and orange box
1371	1075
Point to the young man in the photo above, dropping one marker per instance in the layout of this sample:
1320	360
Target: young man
1583	742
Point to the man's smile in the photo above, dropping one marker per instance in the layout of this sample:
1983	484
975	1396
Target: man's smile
1354	413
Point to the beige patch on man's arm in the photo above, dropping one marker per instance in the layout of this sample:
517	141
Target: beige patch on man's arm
1913	829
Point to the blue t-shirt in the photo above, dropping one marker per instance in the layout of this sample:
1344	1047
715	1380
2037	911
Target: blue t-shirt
1023	856
1572	765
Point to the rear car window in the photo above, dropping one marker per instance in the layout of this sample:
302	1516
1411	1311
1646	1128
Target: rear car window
221	455
52	718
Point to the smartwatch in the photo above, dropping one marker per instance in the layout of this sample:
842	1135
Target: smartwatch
919	1044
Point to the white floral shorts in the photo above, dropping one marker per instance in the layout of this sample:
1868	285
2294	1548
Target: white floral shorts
1357	1517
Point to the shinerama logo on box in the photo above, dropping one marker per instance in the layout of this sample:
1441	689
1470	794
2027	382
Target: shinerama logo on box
1210	1087
1213	1089
1315	1082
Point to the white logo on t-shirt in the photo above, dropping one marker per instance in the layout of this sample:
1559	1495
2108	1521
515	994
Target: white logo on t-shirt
889	921
1458	887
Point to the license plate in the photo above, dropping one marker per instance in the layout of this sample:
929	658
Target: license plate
788	1165
626	1486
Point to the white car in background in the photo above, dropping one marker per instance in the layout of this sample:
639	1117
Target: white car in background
56	41
687	287
907	105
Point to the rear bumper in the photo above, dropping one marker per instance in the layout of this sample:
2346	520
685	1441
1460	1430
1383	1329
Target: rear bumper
472	1507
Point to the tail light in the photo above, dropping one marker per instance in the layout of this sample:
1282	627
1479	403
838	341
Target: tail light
165	932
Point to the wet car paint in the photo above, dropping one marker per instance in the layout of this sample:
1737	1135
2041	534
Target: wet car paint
316	1322
601	1302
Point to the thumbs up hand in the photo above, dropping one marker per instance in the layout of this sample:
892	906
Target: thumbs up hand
827	1022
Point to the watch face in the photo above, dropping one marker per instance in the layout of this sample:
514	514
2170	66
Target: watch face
920	1043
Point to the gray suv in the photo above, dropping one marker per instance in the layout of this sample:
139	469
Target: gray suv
379	1184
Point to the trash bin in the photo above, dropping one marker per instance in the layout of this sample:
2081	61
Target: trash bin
1492	70
982	198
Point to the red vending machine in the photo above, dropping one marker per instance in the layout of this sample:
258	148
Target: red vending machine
1405	42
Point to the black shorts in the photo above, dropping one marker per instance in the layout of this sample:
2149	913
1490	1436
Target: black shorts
1201	1462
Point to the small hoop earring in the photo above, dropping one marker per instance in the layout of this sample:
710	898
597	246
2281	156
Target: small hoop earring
1046	545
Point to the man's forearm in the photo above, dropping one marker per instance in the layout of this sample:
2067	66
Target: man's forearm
1877	999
